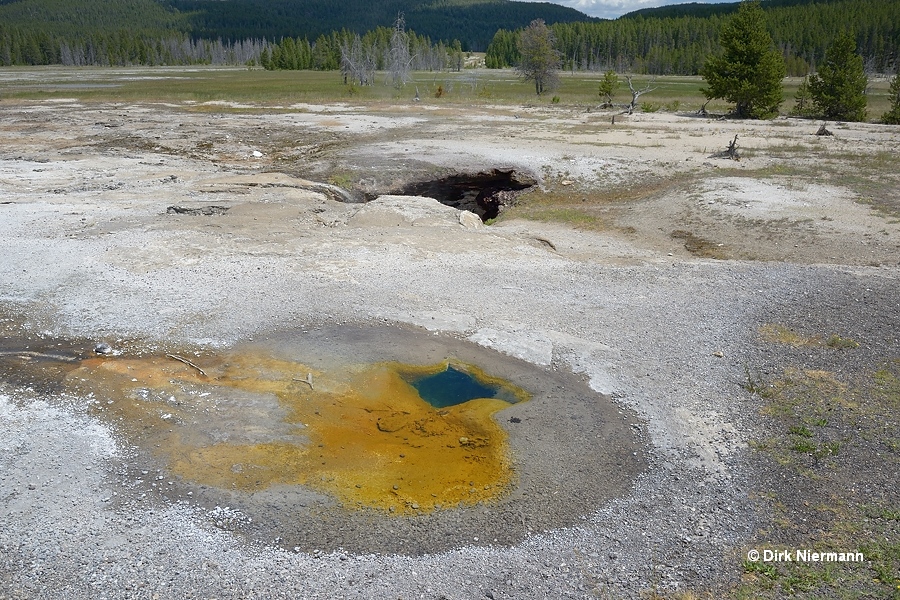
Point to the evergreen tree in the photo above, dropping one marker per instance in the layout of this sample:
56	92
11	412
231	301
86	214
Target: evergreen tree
456	56
750	71
892	116
608	86
804	106
839	88
539	60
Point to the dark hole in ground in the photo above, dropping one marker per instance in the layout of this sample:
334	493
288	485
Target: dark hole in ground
486	193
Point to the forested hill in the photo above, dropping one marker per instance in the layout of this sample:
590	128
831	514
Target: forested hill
677	40
472	22
88	17
301	34
696	9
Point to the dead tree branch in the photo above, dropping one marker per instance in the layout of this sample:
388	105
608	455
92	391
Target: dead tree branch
702	111
732	149
635	94
187	362
308	381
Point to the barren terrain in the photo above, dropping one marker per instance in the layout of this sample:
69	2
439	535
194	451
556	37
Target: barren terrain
713	345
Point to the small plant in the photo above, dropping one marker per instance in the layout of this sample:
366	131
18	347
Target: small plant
841	343
752	383
804	447
439	93
829	449
554	100
341	179
891	514
673	106
761	568
800	430
779	334
649	107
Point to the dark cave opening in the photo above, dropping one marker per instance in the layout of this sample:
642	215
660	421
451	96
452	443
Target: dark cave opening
486	193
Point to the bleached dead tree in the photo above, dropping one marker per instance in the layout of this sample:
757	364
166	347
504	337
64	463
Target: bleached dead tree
635	94
357	63
399	59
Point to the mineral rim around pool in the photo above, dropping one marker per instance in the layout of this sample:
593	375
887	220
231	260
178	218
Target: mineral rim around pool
311	437
361	433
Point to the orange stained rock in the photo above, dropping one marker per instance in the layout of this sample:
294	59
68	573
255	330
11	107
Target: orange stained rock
361	434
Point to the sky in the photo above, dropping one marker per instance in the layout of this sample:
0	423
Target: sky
610	9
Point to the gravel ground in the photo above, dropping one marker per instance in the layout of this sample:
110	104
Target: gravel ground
90	255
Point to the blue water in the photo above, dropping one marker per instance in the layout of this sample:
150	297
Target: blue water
451	387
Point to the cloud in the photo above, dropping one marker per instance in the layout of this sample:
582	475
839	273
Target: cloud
610	9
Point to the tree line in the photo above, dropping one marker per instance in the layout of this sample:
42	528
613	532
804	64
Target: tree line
679	45
350	51
123	48
747	71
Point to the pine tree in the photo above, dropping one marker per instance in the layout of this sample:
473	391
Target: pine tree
839	88
804	106
608	86
539	59
750	71
892	116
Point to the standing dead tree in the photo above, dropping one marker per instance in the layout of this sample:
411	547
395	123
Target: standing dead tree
357	63
635	94
399	57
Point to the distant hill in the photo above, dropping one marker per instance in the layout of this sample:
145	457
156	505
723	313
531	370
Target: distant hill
667	40
87	17
472	22
697	9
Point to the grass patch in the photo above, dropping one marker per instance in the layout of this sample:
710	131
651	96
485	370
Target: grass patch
256	86
780	334
238	84
831	483
341	179
592	209
841	343
556	207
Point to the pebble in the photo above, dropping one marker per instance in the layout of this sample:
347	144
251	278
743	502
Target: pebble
103	348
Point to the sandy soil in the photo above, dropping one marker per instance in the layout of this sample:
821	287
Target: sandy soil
657	306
